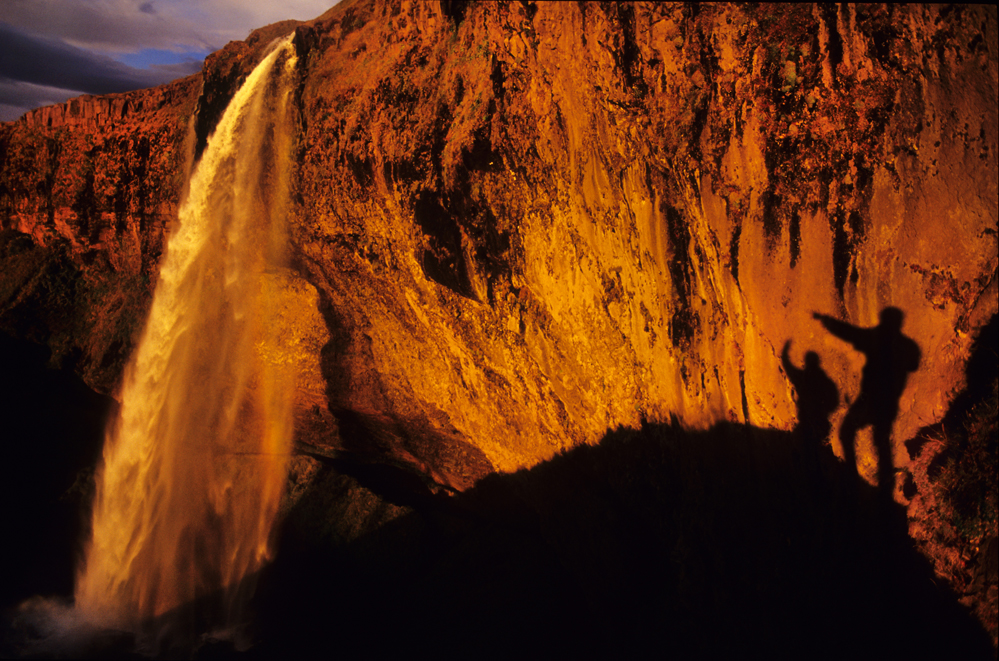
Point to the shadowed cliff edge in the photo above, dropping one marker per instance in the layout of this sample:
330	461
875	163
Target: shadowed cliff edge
730	540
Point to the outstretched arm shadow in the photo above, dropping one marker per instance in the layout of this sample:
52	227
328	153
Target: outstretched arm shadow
891	357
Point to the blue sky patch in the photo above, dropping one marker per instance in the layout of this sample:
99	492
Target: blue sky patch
148	57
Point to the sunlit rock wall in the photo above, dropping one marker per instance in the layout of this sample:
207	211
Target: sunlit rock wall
94	182
529	223
535	222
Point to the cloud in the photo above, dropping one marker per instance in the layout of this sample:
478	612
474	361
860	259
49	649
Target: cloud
107	46
128	25
50	63
106	25
17	98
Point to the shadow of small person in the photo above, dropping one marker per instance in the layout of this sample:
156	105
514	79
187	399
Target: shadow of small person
817	398
891	356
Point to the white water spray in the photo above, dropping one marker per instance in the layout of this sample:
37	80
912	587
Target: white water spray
195	464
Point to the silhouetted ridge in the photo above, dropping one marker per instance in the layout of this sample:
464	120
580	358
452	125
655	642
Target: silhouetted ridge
657	540
730	541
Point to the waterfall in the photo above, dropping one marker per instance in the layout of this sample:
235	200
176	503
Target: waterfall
195	464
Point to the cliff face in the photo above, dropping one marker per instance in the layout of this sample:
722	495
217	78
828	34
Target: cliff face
531	223
95	182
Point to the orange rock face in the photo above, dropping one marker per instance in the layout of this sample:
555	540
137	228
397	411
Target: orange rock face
96	183
532	223
536	223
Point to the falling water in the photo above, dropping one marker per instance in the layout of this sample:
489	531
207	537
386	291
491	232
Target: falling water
195	463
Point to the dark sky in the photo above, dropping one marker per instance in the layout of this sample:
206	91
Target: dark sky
53	50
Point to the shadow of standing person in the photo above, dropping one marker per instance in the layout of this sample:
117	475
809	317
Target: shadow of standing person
891	356
818	396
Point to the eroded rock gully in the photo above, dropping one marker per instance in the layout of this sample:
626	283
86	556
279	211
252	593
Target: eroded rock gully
526	224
